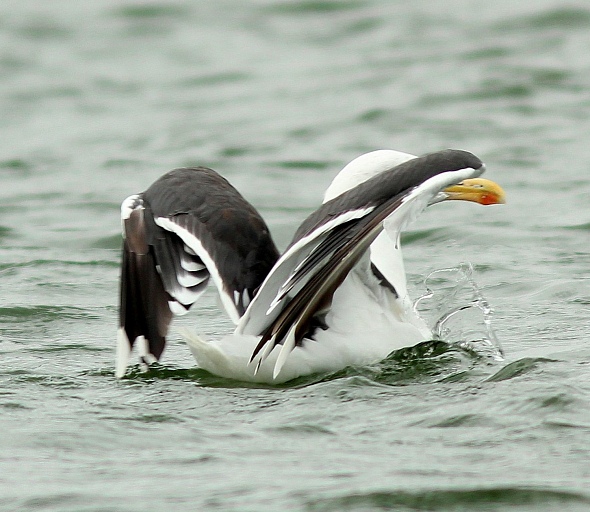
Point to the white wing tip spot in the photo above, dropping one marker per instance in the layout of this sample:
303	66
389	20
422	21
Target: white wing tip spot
129	205
177	308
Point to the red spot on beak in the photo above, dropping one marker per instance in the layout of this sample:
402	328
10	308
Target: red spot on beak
487	199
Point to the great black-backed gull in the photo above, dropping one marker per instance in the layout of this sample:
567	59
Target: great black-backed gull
336	297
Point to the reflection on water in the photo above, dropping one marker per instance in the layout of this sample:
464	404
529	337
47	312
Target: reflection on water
458	311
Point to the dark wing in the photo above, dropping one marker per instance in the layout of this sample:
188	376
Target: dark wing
144	313
334	238
189	226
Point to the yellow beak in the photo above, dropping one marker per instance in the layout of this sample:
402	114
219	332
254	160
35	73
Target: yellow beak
478	190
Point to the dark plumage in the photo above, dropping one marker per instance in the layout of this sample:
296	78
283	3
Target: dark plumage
231	232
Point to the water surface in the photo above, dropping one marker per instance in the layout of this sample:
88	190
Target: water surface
99	99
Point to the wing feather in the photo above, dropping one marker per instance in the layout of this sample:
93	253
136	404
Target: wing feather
308	286
144	309
354	238
189	226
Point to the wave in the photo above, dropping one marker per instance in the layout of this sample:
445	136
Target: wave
488	499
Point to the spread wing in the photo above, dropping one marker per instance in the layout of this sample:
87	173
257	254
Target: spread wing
331	241
189	227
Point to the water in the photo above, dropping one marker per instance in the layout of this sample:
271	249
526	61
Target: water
97	99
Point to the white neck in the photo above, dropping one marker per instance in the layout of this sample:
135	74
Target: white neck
363	168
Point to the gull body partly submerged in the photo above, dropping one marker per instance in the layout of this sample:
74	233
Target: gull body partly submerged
336	297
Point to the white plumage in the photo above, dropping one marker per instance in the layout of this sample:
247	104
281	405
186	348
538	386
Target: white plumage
337	296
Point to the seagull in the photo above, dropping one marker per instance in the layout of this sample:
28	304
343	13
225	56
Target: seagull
336	297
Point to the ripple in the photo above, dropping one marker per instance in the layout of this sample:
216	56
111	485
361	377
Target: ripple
42	30
157	371
152	11
42	93
5	232
557	404
151	20
137	374
489	90
66	347
190	461
311	7
562	424
581	227
73	263
559	18
99	206
431	235
462	420
302	428
213	79
119	163
107	242
427	362
151	418
373	114
234	151
50	502
500	88
518	368
50	381
14	406
550	77
16	164
430	361
44	313
468	499
303	164
492	52
12	63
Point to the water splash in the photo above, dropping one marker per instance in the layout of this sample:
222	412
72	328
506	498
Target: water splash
458	311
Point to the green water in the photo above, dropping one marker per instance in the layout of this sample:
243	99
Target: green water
97	99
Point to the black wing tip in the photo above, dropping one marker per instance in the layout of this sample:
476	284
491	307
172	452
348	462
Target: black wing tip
259	346
144	311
